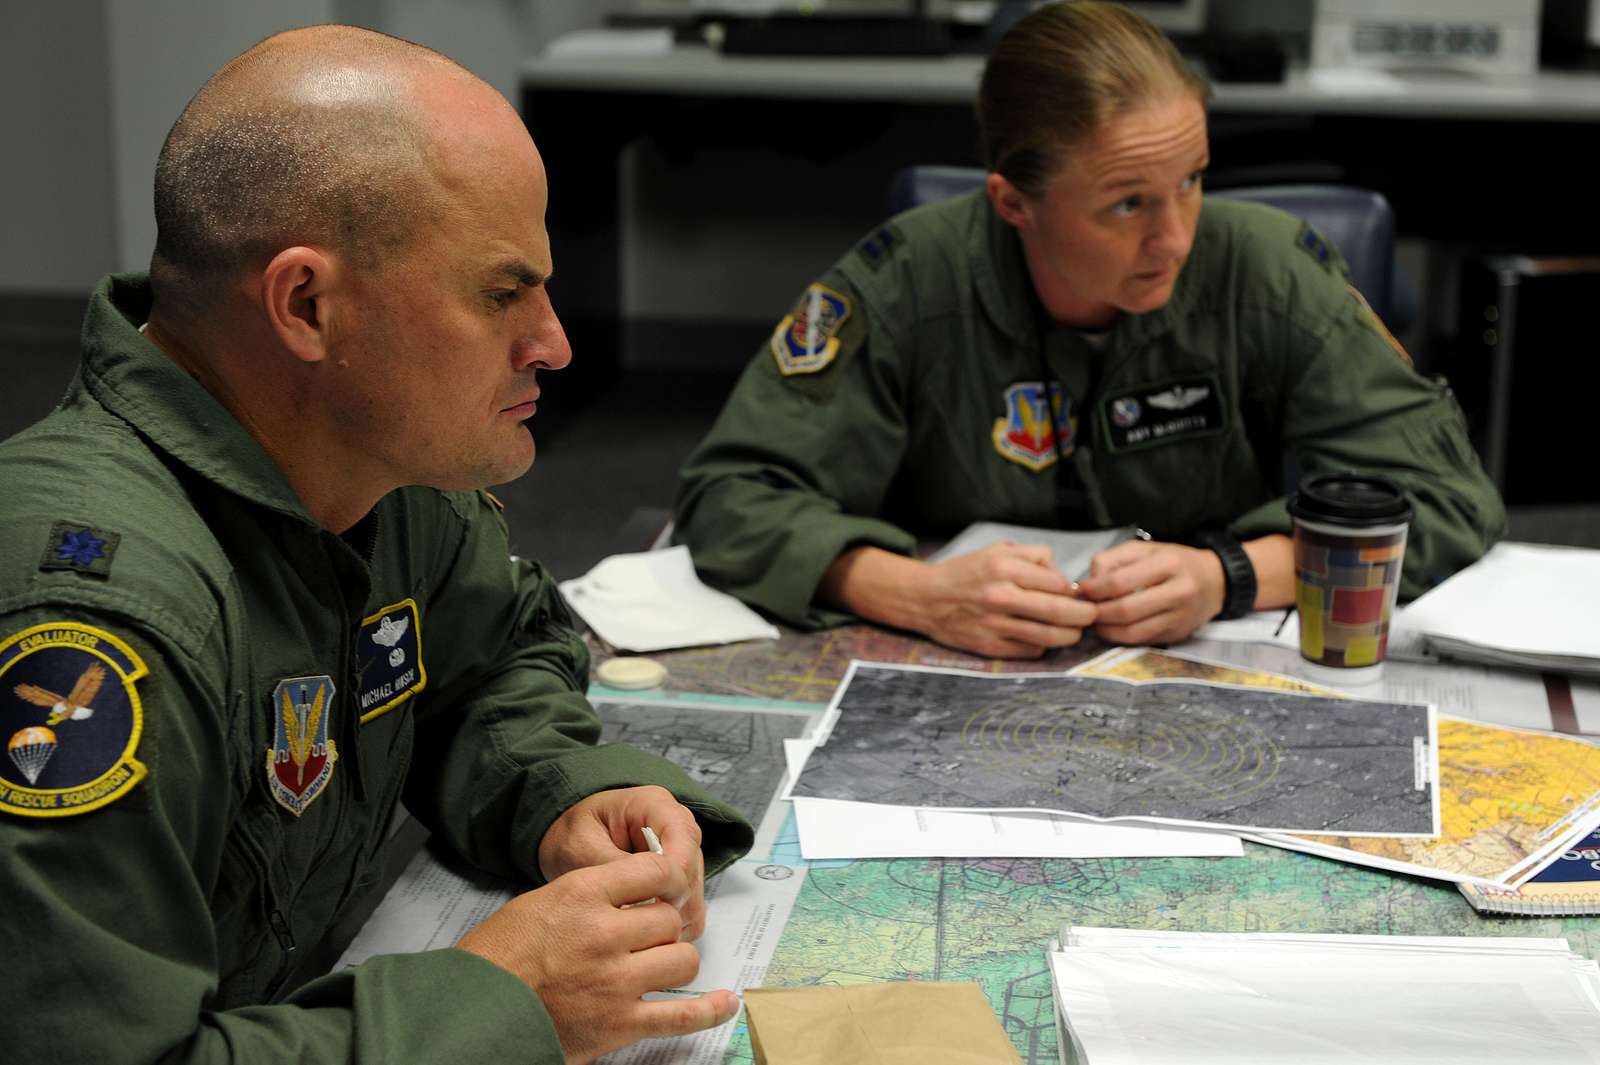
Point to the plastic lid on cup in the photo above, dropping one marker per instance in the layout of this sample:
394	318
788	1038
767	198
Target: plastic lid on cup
1357	500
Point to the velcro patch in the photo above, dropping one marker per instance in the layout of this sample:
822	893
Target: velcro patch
1311	242
70	718
875	249
807	339
1160	414
389	659
76	546
301	758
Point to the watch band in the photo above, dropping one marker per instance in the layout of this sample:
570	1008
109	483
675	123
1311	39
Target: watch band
1238	574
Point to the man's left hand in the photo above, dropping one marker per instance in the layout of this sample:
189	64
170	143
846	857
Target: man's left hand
1153	592
608	825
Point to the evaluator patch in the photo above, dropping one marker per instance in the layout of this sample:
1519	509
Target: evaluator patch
389	659
71	719
807	339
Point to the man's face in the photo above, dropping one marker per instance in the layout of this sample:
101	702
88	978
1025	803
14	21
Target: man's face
1114	226
448	335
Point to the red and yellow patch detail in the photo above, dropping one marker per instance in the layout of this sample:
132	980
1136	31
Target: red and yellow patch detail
1376	323
71	719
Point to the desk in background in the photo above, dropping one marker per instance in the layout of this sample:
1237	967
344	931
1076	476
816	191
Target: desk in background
1463	162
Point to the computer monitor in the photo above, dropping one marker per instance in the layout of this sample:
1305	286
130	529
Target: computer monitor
1177	17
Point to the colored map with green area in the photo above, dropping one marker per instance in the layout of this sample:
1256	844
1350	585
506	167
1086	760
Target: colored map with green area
992	920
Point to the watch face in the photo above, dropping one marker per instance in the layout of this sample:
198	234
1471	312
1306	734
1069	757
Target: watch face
1473	40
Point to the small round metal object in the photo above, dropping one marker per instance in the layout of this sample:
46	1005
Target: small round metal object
631	674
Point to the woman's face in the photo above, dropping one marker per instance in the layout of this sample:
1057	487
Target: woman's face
1114	225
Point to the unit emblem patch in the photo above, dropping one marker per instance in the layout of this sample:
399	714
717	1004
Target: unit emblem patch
300	760
70	718
1027	434
389	659
808	337
75	546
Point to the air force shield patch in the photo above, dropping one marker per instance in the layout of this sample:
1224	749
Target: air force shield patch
808	337
70	720
1027	435
300	760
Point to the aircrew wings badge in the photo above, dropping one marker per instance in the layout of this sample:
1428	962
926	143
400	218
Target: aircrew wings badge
808	337
300	760
70	718
1027	435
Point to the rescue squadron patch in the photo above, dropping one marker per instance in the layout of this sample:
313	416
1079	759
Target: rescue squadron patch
71	720
1160	414
807	339
1027	435
389	659
300	760
76	546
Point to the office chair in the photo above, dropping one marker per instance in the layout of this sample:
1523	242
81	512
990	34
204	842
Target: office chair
1359	222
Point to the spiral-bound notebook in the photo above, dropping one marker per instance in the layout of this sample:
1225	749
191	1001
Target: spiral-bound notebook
1568	886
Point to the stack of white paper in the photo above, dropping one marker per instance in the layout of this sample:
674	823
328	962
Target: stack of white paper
1520	605
1125	996
1072	552
654	600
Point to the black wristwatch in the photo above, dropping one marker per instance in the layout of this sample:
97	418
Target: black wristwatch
1238	575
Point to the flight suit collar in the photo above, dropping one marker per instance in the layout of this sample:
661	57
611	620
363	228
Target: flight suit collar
136	381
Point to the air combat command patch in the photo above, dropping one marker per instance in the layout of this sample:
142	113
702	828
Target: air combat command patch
1026	435
808	337
300	760
389	659
71	720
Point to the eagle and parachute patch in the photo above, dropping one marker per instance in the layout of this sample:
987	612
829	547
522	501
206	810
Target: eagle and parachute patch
807	339
70	718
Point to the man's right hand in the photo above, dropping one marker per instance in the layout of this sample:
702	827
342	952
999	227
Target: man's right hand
590	960
1005	601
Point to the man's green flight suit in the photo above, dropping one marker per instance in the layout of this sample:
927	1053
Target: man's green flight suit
211	708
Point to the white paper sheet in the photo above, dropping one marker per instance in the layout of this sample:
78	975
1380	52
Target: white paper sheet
652	601
1071	551
1528	599
835	828
1259	1003
747	906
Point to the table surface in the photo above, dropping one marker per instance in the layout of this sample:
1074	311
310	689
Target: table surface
691	70
988	920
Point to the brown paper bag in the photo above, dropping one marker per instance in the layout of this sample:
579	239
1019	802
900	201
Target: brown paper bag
904	1023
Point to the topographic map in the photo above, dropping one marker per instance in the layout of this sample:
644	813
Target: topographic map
1189	752
992	920
1507	797
734	750
806	667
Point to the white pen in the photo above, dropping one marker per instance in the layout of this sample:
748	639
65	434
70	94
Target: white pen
652	841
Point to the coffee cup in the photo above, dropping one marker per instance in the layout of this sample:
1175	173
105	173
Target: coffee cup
1349	544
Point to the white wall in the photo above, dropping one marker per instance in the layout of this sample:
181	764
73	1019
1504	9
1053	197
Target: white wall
56	226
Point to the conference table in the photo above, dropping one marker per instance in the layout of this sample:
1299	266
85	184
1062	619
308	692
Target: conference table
990	920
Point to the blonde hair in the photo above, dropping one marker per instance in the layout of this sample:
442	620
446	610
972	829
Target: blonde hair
1060	73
